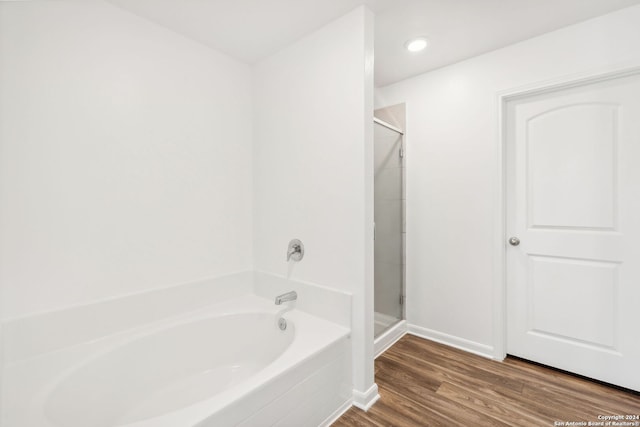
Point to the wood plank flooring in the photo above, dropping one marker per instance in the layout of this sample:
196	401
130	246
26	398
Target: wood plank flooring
422	383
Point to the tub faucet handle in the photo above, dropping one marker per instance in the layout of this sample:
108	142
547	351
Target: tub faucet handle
295	251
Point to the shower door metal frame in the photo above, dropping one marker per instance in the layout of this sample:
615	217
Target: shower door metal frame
402	155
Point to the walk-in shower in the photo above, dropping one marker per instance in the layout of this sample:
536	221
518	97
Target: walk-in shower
389	226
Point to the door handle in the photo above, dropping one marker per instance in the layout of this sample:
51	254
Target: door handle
514	241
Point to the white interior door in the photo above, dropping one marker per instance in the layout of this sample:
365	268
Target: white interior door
573	201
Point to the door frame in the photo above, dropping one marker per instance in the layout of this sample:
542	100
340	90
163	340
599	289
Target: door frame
500	202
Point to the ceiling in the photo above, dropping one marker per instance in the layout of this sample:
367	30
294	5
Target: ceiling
250	30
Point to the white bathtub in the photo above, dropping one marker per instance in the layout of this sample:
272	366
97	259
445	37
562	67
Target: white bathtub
225	365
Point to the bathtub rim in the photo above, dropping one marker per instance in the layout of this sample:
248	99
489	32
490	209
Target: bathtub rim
140	336
198	411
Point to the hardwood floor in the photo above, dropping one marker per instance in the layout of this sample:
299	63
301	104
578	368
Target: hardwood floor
422	383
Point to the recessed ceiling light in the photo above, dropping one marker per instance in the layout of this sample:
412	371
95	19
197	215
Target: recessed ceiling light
416	44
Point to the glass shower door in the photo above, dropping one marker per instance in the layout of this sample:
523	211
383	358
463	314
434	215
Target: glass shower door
388	217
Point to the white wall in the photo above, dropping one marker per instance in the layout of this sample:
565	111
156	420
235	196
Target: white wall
125	157
452	167
313	167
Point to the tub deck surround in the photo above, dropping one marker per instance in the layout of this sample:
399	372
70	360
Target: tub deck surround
302	374
314	299
45	332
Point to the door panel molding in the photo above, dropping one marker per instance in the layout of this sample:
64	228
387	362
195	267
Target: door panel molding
548	194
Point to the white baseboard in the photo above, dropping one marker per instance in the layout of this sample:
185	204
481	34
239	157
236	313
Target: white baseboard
337	413
386	340
452	341
366	400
